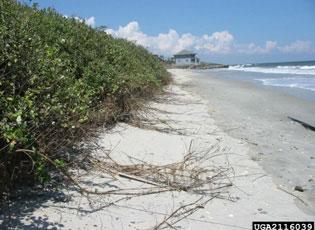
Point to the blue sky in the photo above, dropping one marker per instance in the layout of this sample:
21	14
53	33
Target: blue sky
225	31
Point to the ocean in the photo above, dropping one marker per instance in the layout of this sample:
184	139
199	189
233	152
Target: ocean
297	78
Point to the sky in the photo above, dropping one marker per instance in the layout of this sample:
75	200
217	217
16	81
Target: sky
221	31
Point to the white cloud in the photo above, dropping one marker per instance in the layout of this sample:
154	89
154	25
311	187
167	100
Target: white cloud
221	42
270	45
165	42
252	48
131	32
90	21
172	42
298	47
217	42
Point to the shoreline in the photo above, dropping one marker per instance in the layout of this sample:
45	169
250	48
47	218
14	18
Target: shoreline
260	115
253	196
258	78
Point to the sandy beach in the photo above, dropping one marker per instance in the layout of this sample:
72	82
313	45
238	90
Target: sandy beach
260	115
196	119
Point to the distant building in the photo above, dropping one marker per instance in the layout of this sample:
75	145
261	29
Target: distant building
186	57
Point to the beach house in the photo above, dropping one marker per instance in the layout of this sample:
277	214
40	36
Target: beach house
186	57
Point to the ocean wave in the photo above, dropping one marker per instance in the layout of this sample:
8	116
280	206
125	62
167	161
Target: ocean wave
300	70
291	82
241	66
296	67
308	67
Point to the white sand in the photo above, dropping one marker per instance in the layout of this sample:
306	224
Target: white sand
259	116
258	198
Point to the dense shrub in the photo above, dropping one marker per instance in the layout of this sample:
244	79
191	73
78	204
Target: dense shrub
55	73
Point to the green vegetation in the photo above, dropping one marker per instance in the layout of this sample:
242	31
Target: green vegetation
59	76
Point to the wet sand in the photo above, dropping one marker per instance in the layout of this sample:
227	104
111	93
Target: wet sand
259	115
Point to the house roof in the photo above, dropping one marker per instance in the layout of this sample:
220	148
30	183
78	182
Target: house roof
184	52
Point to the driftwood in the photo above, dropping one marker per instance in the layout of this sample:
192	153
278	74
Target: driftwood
304	124
290	193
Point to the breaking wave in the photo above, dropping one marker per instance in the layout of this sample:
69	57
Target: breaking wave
297	70
307	83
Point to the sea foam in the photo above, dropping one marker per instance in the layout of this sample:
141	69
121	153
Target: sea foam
300	70
307	83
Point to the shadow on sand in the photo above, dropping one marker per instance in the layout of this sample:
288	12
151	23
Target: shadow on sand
18	213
